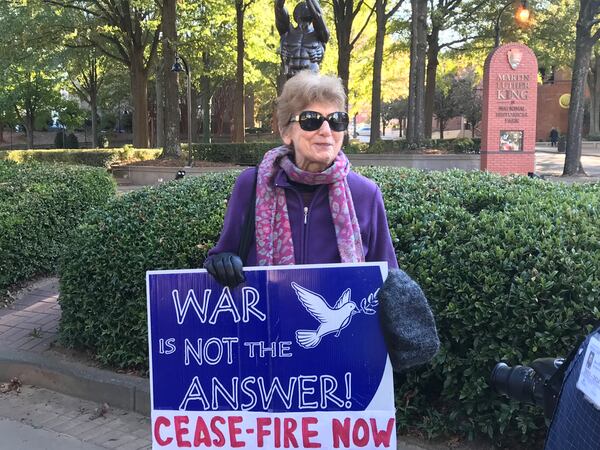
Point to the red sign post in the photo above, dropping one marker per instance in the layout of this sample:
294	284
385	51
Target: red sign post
509	110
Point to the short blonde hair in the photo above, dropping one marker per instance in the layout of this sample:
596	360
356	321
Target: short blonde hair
304	88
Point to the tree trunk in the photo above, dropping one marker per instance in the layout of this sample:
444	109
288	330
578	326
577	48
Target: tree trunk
380	19
171	147
433	51
583	53
343	68
416	102
160	107
593	79
206	95
442	126
343	27
239	100
29	121
195	122
94	108
206	103
2	132
139	94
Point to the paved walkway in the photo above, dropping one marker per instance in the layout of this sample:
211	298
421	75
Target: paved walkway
28	330
30	324
40	419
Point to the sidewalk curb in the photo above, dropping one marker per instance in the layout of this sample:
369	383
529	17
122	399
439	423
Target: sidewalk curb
554	152
89	383
97	385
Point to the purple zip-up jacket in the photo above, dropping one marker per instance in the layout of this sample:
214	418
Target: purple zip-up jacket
313	232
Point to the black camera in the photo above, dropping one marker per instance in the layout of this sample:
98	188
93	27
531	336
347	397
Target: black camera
536	384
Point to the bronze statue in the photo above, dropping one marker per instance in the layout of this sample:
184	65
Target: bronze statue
302	47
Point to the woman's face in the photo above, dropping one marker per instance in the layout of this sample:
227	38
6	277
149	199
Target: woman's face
314	151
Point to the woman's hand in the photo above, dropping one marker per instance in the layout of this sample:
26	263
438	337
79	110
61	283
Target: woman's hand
226	268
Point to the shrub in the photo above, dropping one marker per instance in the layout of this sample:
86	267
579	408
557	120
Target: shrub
59	139
248	153
463	145
103	273
509	265
96	157
355	147
63	140
39	206
510	268
378	147
592	137
72	141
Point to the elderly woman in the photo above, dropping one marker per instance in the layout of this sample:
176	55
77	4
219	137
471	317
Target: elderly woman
306	206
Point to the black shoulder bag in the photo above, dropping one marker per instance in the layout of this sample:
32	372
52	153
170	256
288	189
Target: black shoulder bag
248	230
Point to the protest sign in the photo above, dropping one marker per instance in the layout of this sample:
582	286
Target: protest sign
292	358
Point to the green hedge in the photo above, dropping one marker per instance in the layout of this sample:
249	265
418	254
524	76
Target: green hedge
458	145
510	266
92	157
102	277
249	153
39	206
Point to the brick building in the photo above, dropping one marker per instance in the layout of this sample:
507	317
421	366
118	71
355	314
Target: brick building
551	111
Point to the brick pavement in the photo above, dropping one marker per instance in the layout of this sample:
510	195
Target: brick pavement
29	325
31	322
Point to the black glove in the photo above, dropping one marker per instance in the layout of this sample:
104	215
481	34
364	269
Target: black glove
226	268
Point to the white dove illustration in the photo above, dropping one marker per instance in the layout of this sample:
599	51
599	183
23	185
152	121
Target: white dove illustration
332	319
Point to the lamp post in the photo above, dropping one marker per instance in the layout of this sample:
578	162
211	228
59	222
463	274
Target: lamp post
521	16
178	67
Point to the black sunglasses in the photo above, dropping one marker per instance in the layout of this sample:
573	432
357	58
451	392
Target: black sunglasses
312	120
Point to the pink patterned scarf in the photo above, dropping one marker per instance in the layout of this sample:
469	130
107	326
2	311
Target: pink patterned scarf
274	244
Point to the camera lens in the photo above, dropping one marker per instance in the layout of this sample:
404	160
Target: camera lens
515	382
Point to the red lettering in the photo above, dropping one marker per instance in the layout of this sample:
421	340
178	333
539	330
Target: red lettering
382	437
341	432
234	430
159	422
360	441
201	434
307	433
277	432
261	431
220	441
180	431
289	426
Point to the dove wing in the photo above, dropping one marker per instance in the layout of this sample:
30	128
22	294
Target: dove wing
345	298
314	303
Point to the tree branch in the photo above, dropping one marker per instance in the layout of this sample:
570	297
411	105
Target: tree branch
459	41
124	58
154	46
362	29
393	10
71	5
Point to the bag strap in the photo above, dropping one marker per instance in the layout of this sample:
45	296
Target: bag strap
248	230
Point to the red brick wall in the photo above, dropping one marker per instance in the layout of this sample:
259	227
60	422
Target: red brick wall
509	104
550	113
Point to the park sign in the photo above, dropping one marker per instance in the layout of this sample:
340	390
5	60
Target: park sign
508	123
292	358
